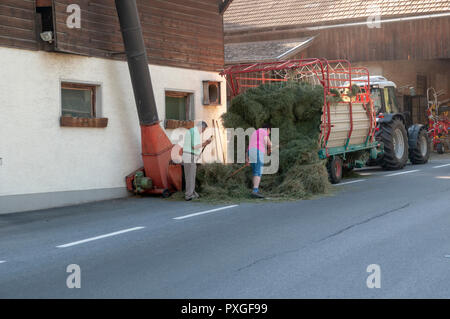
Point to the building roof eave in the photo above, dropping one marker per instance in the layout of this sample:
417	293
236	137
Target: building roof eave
224	6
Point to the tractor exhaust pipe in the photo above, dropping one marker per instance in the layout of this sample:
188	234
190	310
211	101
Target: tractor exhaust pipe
159	175
133	40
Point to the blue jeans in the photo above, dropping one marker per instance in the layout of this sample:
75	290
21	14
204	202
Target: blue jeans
256	158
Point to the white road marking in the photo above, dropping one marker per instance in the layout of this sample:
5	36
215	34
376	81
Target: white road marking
403	173
351	182
206	212
99	237
442	166
2	261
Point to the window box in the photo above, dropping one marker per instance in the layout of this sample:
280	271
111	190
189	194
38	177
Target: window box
174	124
83	122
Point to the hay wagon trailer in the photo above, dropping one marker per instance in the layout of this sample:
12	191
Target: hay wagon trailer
348	125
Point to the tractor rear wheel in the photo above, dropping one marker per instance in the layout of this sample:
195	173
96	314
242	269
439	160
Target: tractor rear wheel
419	153
334	167
395	141
440	148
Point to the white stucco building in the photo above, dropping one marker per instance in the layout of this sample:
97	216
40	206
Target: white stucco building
46	164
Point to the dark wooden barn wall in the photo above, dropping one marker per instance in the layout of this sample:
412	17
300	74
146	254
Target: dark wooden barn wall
415	39
17	24
179	33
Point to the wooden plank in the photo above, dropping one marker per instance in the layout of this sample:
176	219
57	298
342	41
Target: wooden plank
176	33
173	26
17	24
205	5
6	41
17	33
182	9
20	4
43	3
211	21
418	39
83	122
18	13
152	41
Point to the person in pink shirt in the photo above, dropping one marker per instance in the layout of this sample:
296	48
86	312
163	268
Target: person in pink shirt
259	145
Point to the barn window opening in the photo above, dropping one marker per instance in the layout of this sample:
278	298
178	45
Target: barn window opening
211	93
44	21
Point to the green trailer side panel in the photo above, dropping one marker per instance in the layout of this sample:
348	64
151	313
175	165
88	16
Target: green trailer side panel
342	150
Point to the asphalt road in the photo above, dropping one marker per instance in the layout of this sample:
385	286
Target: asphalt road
141	248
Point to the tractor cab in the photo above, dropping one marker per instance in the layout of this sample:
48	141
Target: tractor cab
382	92
383	95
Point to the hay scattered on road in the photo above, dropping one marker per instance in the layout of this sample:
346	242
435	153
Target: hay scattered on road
294	108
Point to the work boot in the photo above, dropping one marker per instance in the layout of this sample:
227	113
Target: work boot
257	195
188	198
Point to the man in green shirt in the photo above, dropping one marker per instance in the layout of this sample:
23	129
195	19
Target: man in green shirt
191	152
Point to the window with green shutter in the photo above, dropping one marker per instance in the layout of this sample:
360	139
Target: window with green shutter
178	106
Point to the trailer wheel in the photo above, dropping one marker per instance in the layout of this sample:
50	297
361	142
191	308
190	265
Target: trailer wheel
334	167
440	148
395	141
419	145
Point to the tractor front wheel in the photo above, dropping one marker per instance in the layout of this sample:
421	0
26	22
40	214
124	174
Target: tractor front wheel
335	168
419	148
395	141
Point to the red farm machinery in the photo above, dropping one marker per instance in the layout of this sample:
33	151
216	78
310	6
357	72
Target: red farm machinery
438	121
159	175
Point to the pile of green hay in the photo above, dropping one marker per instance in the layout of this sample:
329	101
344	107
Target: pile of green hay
294	108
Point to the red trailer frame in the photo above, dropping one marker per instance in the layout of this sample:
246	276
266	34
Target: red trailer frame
330	74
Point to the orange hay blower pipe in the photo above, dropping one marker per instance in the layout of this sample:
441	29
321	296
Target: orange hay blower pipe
159	175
